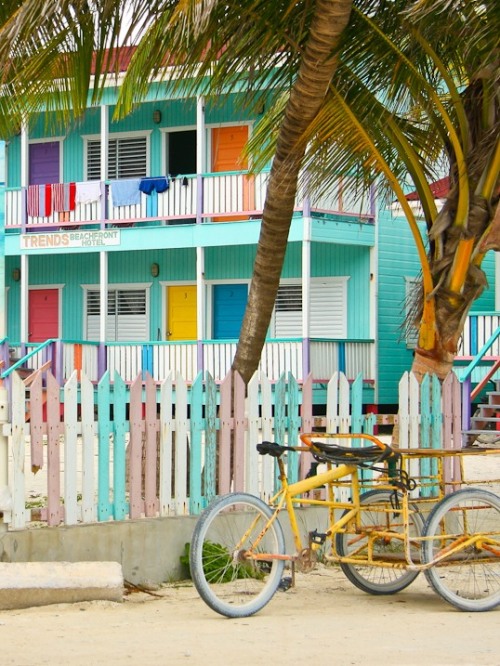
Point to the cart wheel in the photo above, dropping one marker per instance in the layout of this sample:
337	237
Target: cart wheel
375	579
468	577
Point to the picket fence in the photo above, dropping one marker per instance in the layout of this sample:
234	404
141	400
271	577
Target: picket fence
83	452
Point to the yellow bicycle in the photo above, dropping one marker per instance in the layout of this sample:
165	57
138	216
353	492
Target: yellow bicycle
379	538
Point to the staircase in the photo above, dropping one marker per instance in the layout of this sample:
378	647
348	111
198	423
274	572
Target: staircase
485	423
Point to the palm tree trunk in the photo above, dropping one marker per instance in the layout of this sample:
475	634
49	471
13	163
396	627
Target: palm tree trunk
306	97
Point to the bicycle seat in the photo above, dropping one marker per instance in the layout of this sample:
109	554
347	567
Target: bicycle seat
366	455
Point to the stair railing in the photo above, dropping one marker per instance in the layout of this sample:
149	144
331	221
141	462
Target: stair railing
468	396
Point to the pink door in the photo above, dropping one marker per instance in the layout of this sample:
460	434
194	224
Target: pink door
43	314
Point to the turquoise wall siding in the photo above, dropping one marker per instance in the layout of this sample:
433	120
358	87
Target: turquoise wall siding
326	260
397	259
83	269
179	265
175	114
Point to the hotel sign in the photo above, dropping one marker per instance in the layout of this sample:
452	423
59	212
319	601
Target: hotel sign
63	240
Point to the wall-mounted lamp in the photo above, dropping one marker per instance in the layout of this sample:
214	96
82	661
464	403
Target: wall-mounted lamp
157	116
155	270
16	274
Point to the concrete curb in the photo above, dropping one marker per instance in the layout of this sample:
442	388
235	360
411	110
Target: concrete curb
24	584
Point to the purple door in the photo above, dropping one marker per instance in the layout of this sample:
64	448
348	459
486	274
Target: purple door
44	163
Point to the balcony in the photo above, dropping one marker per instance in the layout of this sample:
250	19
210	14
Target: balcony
196	198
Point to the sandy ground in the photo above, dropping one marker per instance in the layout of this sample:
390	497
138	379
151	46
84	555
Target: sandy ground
324	620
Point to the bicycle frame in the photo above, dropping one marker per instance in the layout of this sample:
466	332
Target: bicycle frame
293	494
372	527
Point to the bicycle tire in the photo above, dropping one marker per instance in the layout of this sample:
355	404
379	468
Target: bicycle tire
375	579
232	586
469	579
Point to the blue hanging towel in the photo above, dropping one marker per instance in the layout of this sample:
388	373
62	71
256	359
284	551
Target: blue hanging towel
149	185
126	192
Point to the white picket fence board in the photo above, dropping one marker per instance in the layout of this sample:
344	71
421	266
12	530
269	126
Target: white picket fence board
166	447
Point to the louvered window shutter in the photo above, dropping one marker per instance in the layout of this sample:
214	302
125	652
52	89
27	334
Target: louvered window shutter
127	158
328	309
127	318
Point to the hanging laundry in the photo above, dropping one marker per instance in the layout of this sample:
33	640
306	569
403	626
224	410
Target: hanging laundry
126	192
39	202
64	195
88	192
157	184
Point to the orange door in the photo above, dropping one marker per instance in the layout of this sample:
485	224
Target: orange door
181	309
43	320
227	148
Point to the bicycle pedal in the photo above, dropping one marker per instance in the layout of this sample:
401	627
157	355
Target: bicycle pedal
285	584
317	538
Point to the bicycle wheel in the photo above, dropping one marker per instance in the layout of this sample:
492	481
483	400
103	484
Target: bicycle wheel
229	583
469	578
375	579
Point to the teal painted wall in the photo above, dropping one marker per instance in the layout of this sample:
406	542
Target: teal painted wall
175	114
326	260
397	259
83	269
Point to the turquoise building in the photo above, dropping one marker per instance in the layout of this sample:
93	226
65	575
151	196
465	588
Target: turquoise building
129	246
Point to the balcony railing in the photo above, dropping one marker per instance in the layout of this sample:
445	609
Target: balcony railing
208	197
159	359
479	328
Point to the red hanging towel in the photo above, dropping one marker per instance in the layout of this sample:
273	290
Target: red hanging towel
64	197
39	202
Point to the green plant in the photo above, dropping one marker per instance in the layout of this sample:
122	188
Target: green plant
218	564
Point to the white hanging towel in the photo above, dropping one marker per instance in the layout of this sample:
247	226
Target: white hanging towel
88	192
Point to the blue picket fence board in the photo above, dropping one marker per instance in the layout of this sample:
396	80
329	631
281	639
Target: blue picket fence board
357	409
425	435
195	464
437	426
120	504
105	429
209	477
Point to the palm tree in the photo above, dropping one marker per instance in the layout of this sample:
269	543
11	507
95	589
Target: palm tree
390	91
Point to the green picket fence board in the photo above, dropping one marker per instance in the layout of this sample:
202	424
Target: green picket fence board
195	463
104	510
436	425
120	504
279	420
209	477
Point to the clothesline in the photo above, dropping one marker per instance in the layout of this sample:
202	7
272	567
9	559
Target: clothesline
44	199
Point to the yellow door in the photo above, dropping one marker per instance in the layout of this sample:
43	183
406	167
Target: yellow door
181	312
227	146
